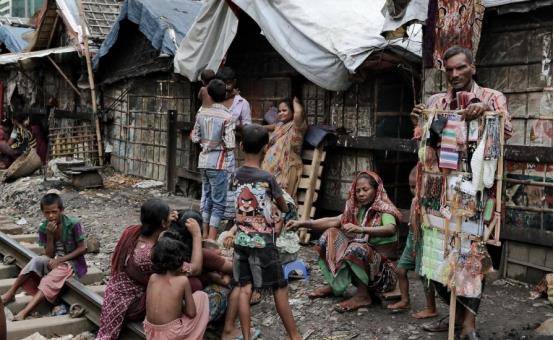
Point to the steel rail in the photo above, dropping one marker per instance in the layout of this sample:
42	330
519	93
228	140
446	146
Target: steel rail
77	292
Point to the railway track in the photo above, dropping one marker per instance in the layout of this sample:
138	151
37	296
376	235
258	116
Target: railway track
87	292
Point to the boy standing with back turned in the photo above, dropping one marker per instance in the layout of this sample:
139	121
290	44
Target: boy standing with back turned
256	259
215	131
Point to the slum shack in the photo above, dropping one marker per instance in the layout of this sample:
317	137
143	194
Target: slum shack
363	87
141	95
46	77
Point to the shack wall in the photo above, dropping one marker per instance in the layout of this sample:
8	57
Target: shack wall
138	123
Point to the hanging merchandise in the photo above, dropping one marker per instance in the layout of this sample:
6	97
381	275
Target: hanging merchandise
491	152
477	164
453	134
432	191
467	270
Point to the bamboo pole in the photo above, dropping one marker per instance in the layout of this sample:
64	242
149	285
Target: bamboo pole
64	76
458	246
91	82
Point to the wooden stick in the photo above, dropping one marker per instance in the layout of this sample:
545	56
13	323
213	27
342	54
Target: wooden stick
308	200
91	82
499	182
452	315
64	76
428	112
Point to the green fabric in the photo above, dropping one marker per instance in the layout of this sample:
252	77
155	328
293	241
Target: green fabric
409	260
67	233
382	240
340	282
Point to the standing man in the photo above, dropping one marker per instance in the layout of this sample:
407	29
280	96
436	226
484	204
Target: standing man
463	93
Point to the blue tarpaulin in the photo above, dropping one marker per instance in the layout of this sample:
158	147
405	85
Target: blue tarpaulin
163	22
12	38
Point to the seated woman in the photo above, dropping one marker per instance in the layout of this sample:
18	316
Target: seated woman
125	298
282	158
21	139
355	246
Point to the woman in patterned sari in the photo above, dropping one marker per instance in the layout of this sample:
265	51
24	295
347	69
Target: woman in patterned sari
355	246
282	158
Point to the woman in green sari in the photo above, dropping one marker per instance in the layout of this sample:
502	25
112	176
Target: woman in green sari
356	245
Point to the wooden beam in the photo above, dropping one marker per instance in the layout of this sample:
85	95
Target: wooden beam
516	153
52	33
64	76
171	159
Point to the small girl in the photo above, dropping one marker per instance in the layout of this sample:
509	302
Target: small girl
172	310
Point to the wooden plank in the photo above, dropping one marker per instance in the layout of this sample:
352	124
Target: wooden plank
305	183
307	170
302	196
309	155
171	149
517	153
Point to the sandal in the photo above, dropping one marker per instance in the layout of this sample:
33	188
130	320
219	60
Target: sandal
76	311
440	325
255	298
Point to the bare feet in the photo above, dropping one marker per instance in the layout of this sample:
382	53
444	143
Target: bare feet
233	334
352	304
19	317
321	292
399	306
425	313
7	298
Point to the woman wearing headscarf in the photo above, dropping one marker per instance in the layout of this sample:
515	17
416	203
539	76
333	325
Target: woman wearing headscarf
356	245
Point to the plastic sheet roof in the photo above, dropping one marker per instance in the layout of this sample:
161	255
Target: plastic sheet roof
13	37
163	22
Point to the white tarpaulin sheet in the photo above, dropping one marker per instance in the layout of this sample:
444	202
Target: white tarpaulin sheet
10	58
325	41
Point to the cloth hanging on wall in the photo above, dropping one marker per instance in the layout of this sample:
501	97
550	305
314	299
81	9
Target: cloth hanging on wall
458	22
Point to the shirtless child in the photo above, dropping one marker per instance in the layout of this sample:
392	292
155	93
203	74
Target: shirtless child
172	310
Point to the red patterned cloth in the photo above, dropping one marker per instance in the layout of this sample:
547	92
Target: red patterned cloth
458	22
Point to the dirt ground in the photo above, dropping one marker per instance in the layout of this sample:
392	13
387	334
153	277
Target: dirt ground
507	312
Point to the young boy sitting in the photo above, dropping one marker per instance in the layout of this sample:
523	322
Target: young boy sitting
64	246
215	131
256	259
173	311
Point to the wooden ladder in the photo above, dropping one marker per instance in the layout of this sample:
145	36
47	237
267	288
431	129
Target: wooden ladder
308	188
